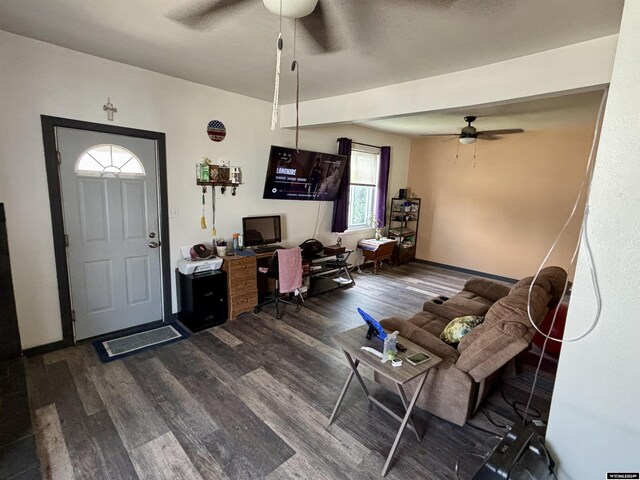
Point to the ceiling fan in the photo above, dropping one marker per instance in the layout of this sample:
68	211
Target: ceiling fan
470	134
310	14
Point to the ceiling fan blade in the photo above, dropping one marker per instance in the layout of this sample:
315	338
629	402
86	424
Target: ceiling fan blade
488	137
318	28
201	13
506	131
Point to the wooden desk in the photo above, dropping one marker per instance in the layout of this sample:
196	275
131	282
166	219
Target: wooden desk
245	288
350	342
242	285
377	251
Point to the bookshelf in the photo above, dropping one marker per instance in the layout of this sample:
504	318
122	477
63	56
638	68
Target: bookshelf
403	226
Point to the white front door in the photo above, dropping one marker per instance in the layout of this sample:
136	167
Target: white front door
110	203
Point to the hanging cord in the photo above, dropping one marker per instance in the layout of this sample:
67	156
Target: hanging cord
586	188
315	229
296	67
457	152
276	88
213	213
203	220
475	150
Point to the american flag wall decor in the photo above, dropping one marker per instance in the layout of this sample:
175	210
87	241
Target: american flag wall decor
216	130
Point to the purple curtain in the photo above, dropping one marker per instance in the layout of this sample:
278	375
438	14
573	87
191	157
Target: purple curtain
383	185
340	221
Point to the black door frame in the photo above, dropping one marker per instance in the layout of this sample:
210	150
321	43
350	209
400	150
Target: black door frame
49	124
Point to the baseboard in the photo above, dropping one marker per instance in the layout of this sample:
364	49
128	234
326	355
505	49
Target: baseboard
46	348
469	271
59	345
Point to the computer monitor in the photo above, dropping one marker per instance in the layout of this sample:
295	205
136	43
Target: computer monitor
261	230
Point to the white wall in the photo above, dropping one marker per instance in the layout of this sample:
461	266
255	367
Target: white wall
38	78
594	425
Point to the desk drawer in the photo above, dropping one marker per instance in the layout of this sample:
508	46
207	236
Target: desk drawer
247	263
242	275
242	284
244	299
242	302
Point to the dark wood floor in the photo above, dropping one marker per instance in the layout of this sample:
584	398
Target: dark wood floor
248	400
18	453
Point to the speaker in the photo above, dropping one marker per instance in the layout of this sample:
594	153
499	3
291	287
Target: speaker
520	455
403	193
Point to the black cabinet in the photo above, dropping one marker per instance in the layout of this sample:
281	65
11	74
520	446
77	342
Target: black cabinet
203	300
9	334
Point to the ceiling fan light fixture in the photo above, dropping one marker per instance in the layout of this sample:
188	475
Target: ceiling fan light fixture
467	140
291	8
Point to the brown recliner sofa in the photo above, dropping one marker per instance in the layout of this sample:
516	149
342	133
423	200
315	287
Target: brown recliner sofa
455	388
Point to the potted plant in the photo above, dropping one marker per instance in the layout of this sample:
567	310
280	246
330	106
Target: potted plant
377	224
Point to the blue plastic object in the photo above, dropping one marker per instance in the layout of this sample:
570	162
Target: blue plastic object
374	326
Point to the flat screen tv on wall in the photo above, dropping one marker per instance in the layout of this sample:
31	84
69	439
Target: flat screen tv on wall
301	175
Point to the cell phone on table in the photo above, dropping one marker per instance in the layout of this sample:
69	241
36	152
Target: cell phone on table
418	358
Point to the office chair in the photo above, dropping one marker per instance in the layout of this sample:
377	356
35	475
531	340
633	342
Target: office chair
285	267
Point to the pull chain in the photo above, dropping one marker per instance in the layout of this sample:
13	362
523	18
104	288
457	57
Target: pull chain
296	67
276	87
475	149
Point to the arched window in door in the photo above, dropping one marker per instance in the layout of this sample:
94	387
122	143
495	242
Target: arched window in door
109	160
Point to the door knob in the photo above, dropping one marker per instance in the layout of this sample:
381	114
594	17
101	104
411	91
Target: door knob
154	244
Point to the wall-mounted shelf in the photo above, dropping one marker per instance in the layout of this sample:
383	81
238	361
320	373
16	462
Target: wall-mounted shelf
217	175
217	184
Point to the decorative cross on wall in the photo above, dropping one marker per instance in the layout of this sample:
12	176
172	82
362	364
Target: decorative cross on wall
110	109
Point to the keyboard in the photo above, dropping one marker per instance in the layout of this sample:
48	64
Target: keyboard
266	249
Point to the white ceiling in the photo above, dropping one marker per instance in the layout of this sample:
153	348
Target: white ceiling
398	40
565	111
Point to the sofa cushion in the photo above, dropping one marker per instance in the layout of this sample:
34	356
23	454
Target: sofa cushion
459	327
552	279
430	322
526	282
421	337
487	289
461	304
490	351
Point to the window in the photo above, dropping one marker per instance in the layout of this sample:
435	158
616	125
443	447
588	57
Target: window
362	188
109	160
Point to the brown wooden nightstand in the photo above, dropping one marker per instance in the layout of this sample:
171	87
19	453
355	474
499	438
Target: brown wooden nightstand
377	251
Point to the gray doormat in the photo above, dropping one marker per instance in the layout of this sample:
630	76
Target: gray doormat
115	348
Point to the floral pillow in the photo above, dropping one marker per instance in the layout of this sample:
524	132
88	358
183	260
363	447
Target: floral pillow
459	327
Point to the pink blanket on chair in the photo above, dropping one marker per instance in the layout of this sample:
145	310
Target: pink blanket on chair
289	269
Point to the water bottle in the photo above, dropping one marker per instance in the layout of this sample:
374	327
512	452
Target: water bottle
390	348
